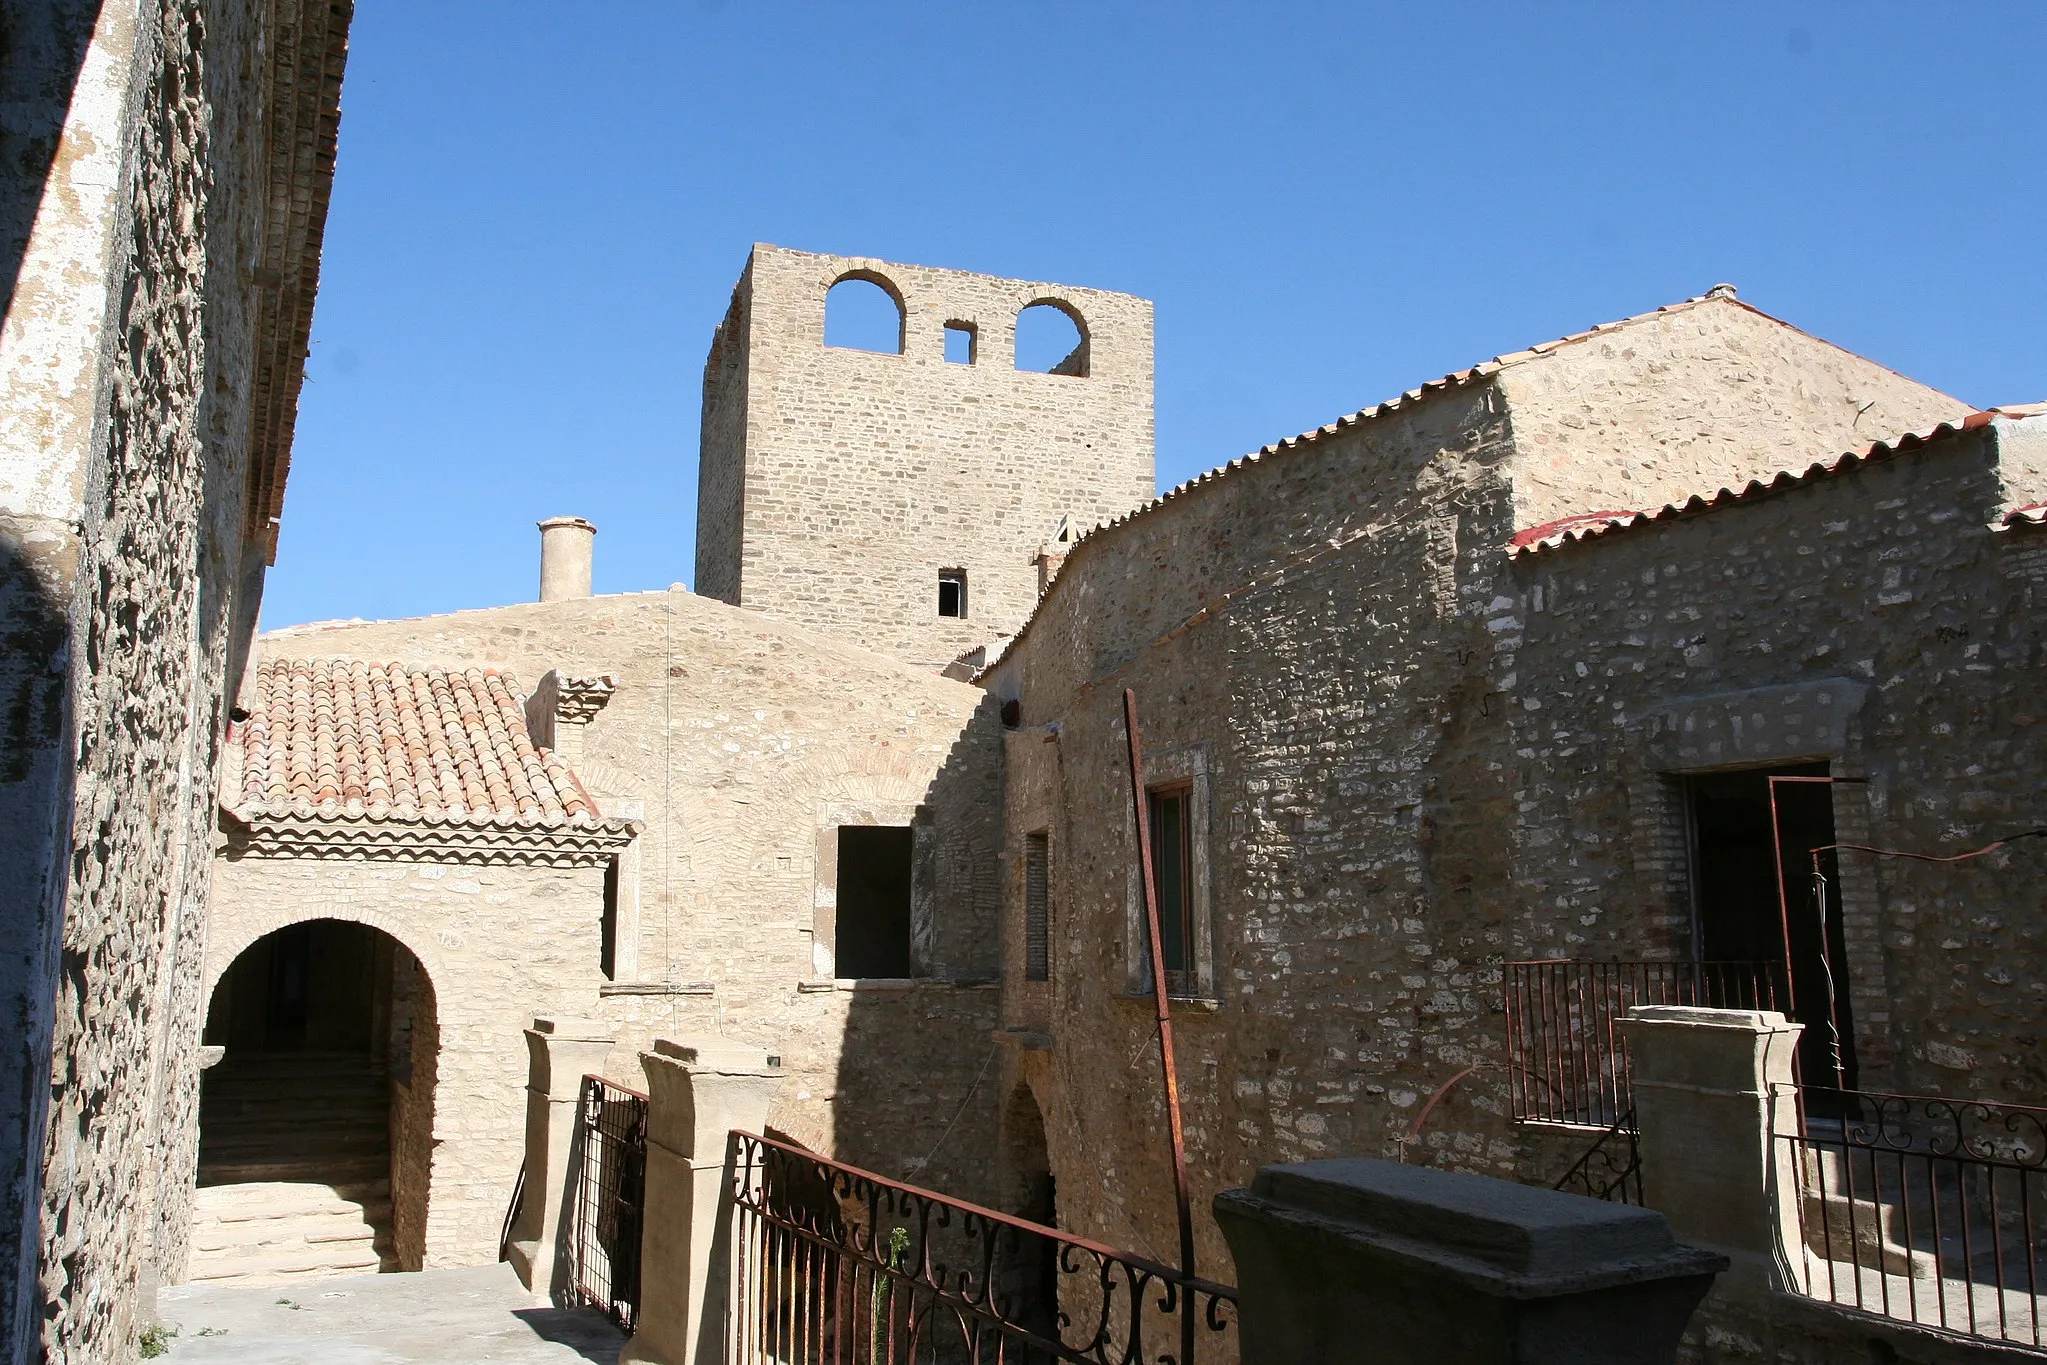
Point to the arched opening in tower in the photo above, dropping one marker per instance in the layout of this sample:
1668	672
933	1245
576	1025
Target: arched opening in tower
316	1121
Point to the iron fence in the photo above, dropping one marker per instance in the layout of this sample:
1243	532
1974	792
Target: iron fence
1922	1209
609	1161
1611	1168
1566	1063
836	1264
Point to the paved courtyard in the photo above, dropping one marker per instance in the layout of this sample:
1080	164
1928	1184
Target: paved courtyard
435	1317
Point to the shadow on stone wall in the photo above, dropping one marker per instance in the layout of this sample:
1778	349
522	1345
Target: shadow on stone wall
34	786
918	1073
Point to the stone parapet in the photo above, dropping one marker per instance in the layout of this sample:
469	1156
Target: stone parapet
1443	1267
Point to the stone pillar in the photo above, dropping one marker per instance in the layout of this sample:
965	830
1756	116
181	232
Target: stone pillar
566	549
1704	1102
559	1053
699	1090
1353	1259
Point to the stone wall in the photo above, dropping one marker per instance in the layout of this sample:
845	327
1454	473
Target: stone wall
743	742
1324	638
1878	620
138	334
865	475
1689	399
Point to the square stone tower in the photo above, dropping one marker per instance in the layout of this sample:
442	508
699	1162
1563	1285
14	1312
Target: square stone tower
902	499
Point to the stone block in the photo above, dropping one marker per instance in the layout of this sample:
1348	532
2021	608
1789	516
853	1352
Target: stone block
1440	1266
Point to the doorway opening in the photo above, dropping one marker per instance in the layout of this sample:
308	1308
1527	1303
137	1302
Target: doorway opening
316	1123
1033	1196
1753	833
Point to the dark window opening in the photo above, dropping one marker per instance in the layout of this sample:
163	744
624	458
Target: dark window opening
952	592
1172	854
962	343
607	933
872	935
861	314
1739	857
1037	907
1051	340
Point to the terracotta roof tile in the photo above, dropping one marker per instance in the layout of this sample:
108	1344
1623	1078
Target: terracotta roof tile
350	739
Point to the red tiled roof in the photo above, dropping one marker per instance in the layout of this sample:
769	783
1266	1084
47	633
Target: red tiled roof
2032	514
1576	530
345	738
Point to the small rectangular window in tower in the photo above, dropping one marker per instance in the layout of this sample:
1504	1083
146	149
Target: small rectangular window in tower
952	592
1172	853
871	936
962	342
1037	907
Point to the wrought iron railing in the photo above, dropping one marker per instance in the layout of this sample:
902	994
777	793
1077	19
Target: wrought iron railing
836	1264
1566	1062
1611	1168
1923	1209
608	1165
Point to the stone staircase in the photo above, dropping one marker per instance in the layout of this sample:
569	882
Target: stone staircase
294	1170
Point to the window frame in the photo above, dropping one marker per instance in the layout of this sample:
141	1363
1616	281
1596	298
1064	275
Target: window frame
957	577
1184	770
1037	900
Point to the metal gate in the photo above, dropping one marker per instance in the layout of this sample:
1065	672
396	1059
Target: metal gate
609	1158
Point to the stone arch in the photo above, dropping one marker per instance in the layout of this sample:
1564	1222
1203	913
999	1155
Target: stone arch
259	923
859	312
1075	348
318	1101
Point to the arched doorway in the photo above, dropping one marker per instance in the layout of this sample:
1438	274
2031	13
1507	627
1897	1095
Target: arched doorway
316	1121
1032	1195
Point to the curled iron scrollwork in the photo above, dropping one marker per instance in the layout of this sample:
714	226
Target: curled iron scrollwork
836	1263
1980	1130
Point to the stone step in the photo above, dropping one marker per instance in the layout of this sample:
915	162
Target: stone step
285	1167
279	1232
266	1199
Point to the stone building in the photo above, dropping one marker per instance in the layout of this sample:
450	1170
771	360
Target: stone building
1341	721
910	492
168	166
736	825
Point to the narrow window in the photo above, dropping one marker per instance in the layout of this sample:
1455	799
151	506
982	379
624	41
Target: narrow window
1172	853
862	314
1037	907
1050	339
607	931
962	342
952	592
872	934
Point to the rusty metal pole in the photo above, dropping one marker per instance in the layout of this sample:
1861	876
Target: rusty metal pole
1142	809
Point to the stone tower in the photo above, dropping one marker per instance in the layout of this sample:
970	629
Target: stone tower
903	499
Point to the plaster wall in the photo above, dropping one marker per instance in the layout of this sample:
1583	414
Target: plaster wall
1689	400
500	945
864	475
744	741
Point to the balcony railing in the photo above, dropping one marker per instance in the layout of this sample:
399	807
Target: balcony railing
836	1264
1923	1209
1566	1063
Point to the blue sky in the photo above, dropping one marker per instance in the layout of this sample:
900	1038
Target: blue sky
541	209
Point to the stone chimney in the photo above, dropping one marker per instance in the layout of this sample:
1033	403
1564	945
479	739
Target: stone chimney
1052	554
565	549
